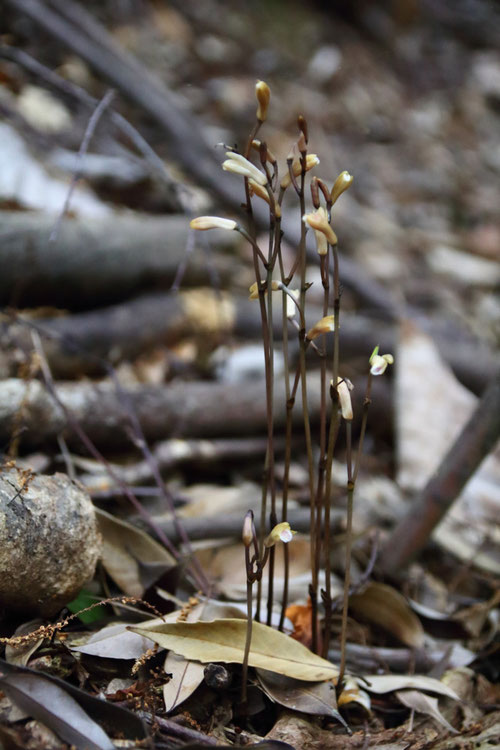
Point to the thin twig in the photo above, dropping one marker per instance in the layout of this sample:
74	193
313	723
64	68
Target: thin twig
87	136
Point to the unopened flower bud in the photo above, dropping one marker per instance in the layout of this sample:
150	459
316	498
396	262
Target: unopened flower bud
302	123
254	289
269	154
263	94
281	533
344	387
311	161
325	325
248	529
212	222
319	221
379	362
343	181
261	192
315	193
291	306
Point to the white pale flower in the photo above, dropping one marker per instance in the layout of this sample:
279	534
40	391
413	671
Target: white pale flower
325	325
237	164
212	222
254	289
280	533
379	362
318	221
344	387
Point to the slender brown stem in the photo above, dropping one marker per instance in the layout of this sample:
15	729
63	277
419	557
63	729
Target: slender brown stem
248	641
327	596
348	550
288	443
366	406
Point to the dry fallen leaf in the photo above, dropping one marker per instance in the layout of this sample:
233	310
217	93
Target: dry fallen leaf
116	642
125	549
386	683
384	606
187	675
317	698
54	707
224	640
352	693
424	704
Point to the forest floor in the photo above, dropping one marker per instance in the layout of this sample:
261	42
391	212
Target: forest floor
131	368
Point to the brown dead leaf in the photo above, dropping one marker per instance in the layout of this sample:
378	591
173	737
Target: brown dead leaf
125	549
317	698
386	683
424	704
384	606
188	675
352	693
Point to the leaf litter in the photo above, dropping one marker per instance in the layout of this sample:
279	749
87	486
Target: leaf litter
380	614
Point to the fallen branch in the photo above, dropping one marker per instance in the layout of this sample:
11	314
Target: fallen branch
170	455
228	525
196	409
86	343
474	443
95	262
77	29
370	659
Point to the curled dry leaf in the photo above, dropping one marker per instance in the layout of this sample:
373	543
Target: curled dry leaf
186	677
116	642
424	704
54	707
386	683
20	655
317	698
224	640
352	693
127	548
384	606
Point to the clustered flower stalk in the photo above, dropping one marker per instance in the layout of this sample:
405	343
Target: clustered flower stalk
262	183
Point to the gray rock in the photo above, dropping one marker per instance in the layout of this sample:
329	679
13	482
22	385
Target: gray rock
49	541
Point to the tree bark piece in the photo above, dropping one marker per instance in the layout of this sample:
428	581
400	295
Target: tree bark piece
476	440
95	262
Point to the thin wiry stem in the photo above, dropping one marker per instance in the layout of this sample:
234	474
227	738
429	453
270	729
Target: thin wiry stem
274	245
323	418
305	413
248	639
334	426
348	550
288	444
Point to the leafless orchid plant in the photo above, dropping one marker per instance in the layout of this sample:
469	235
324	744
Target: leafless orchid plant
264	183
